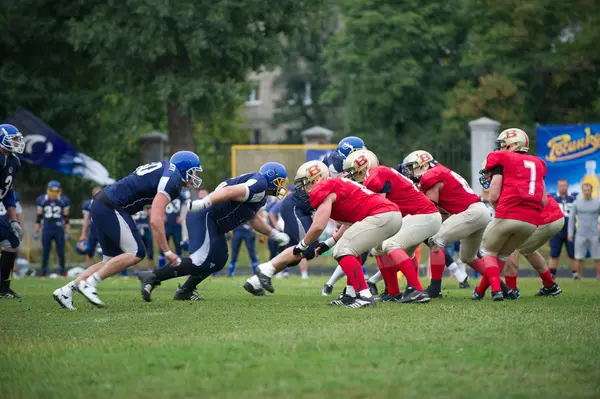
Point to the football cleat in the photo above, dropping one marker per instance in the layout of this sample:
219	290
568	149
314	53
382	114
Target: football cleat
326	290
90	294
64	298
497	296
148	281
434	293
264	280
184	295
516	294
508	292
10	294
575	276
412	295
361	302
342	300
552	290
464	283
477	296
372	288
250	288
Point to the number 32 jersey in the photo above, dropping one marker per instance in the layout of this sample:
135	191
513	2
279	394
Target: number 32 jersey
353	202
522	185
139	188
52	210
456	195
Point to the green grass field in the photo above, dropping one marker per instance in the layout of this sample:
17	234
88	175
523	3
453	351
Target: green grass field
291	345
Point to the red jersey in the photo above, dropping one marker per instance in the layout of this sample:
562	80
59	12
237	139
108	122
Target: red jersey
551	212
400	190
353	202
456	195
522	185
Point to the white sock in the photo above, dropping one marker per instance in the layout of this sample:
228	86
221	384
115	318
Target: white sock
452	268
350	290
267	269
366	294
338	273
462	267
304	275
254	281
376	278
70	287
460	275
94	279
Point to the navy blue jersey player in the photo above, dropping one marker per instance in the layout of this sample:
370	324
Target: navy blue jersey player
88	241
153	184
235	201
53	218
334	160
565	202
11	143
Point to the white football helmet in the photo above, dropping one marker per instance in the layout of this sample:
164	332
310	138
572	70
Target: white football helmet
485	177
417	163
358	163
513	140
309	174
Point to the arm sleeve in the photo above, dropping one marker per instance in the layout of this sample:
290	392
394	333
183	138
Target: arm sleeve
572	219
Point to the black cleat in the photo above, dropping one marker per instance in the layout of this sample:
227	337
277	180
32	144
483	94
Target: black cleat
148	280
384	297
552	290
464	283
342	300
477	296
497	296
516	294
412	295
184	295
256	292
10	294
433	293
326	290
372	288
264	281
361	302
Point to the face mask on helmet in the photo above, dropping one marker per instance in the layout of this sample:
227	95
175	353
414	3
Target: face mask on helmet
193	177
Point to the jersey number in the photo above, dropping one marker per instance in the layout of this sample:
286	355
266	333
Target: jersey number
174	206
462	182
363	188
52	212
532	175
148	168
7	184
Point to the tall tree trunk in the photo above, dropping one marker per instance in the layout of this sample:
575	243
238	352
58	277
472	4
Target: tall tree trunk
181	129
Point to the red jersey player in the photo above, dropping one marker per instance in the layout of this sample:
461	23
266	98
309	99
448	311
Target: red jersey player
552	222
468	215
420	220
518	194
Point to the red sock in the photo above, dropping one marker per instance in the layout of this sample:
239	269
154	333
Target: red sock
406	266
389	273
353	269
483	285
547	278
416	264
437	259
478	266
501	264
511	281
492	271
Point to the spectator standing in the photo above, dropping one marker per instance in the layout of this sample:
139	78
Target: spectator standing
585	212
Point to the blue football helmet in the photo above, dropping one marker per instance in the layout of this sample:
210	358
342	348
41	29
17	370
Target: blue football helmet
53	189
188	165
11	139
82	247
277	180
348	145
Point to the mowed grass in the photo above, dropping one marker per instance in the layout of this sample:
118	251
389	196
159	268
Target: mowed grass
292	345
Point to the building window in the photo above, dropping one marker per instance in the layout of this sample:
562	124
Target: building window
254	96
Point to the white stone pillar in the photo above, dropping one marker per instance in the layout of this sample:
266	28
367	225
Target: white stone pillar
483	136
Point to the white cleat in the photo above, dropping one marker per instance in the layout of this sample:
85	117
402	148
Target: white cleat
90	294
64	298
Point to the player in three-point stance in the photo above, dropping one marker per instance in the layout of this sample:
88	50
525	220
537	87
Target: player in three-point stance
235	201
518	194
11	233
122	246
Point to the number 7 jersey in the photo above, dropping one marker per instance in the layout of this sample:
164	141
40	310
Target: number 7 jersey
456	195
522	185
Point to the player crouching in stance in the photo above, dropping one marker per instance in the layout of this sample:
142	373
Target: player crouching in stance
420	220
517	192
122	245
368	219
234	202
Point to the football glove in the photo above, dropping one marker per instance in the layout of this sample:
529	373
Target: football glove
300	248
36	235
279	237
326	245
17	229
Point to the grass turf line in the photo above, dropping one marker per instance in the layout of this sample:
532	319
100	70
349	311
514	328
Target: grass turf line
292	345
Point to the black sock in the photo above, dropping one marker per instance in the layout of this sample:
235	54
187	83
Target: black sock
553	272
7	262
185	268
191	283
435	285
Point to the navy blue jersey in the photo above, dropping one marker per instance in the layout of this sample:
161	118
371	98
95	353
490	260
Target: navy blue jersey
85	207
173	210
335	162
565	203
52	210
139	188
4	211
9	164
230	214
295	200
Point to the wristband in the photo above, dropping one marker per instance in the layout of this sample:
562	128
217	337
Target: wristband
330	242
167	253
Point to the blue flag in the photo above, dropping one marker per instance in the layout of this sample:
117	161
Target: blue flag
45	147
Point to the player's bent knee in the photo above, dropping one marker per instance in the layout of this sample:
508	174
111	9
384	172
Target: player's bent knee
485	252
389	246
